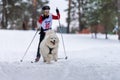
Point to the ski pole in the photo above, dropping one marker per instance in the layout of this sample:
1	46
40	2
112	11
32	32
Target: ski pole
63	42
62	38
28	47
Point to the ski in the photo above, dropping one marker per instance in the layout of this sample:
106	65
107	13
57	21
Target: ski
33	62
58	59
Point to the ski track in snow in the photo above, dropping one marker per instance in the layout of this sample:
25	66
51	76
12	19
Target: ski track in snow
88	59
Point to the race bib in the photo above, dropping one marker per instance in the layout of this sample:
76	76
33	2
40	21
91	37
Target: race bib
47	23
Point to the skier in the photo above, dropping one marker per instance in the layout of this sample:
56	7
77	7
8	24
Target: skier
44	23
116	30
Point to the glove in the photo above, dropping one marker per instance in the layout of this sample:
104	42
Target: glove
57	10
38	29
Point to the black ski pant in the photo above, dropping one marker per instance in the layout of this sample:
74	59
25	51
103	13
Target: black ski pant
42	35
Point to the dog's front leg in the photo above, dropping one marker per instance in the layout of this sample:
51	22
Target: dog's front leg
49	57
45	59
55	55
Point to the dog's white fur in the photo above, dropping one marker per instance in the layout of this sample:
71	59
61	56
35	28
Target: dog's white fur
51	40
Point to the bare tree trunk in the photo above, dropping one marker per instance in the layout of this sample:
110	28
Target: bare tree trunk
79	15
118	10
4	15
106	32
25	25
69	18
34	22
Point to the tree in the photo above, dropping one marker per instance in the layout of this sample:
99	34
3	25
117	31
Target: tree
76	13
69	16
4	15
108	14
102	12
118	15
19	11
83	13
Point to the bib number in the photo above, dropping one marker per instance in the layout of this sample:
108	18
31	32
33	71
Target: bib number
47	26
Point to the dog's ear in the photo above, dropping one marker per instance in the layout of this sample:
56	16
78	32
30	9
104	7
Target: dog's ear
48	40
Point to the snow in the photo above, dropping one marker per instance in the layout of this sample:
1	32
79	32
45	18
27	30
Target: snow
88	58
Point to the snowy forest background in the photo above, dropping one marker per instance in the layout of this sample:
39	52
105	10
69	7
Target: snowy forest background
81	14
16	14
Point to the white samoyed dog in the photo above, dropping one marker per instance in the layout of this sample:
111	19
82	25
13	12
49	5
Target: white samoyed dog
49	46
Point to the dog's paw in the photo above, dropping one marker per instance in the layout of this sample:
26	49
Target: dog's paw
44	61
55	60
48	62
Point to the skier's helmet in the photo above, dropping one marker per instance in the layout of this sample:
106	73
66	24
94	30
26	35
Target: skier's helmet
45	8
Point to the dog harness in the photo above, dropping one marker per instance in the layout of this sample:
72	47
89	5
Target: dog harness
50	50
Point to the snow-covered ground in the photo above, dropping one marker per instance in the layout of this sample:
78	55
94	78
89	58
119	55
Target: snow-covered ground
88	59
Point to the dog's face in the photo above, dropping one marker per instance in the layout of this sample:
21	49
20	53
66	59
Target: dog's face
52	40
